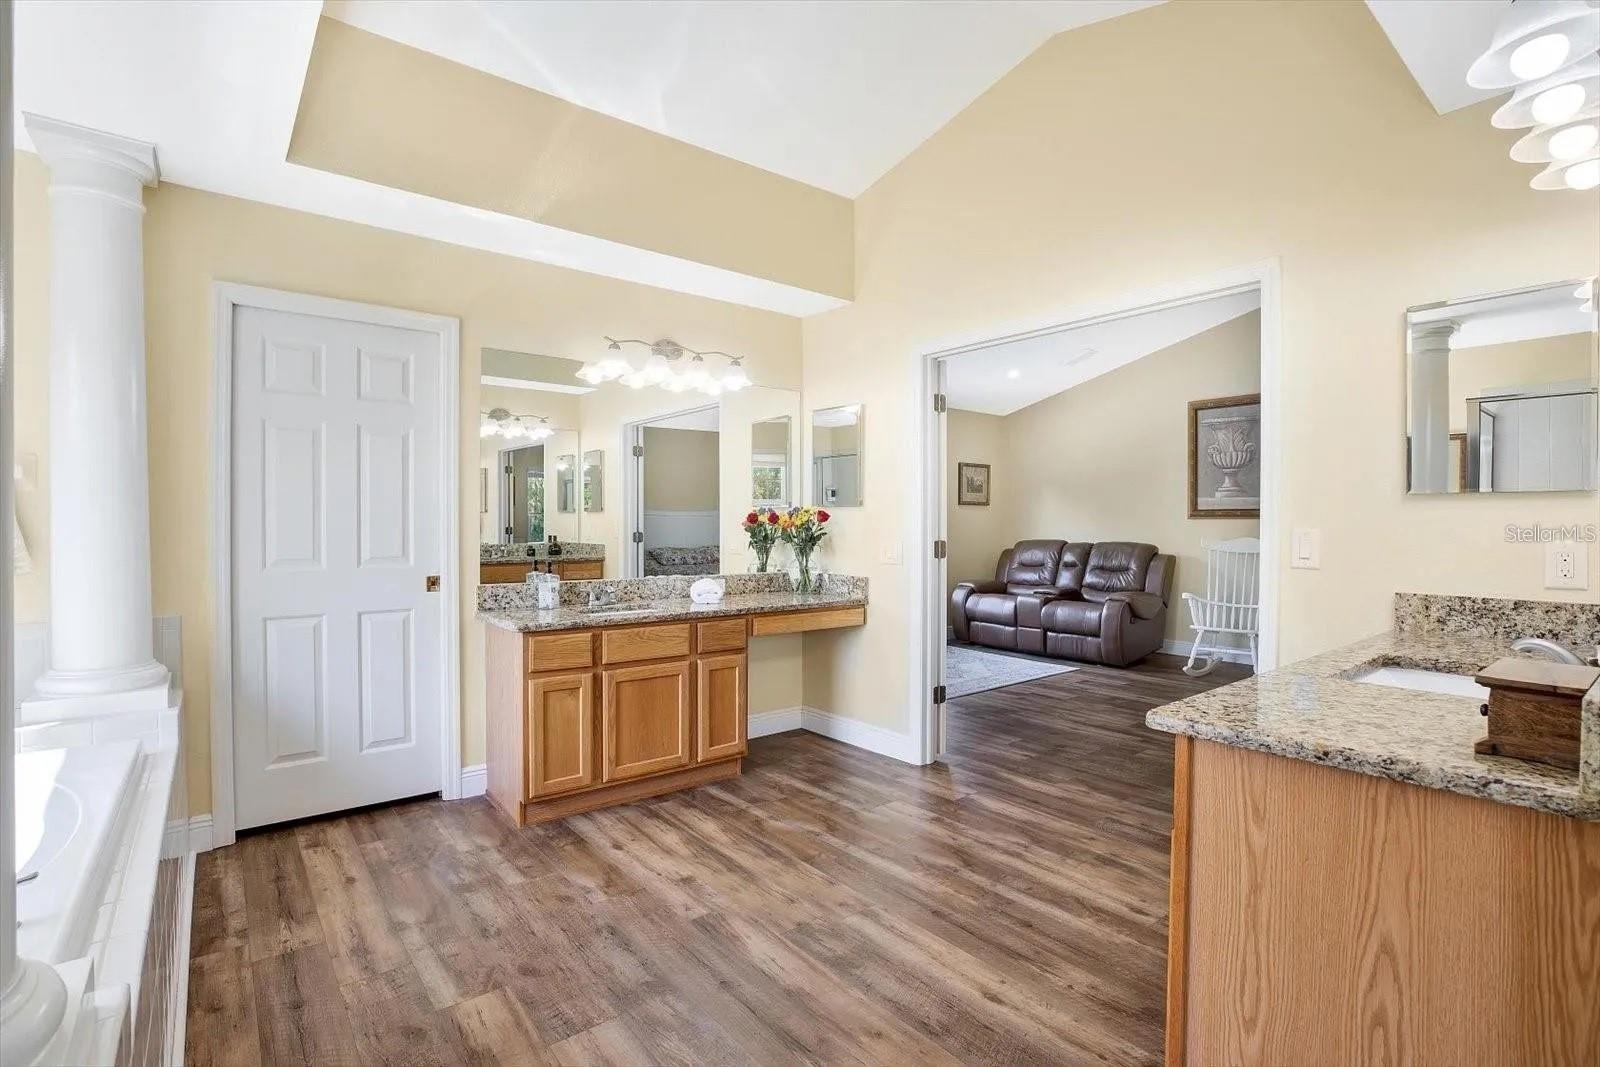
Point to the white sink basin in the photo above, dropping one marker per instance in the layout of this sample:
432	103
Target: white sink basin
1459	685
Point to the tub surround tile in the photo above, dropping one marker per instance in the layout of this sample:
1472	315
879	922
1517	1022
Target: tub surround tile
539	550
514	606
1314	710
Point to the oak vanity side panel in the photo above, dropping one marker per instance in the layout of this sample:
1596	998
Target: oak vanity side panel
504	675
1178	901
1336	917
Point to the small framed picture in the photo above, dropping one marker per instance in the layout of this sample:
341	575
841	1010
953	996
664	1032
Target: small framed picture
972	484
1225	457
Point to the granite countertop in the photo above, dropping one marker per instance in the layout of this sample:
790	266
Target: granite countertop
661	599
1312	711
530	551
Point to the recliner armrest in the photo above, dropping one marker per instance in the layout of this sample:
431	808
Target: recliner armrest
958	604
983	586
1143	605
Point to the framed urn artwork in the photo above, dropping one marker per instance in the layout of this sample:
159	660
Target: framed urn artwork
1225	457
972	484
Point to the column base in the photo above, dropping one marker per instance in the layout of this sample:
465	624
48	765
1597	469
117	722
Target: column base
31	1012
53	700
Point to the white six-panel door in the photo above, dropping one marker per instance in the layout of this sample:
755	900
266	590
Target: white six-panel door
336	466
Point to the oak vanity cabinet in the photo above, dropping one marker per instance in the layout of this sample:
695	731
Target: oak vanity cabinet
583	719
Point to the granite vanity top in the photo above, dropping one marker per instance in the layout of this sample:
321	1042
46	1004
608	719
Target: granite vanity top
1313	711
537	550
662	599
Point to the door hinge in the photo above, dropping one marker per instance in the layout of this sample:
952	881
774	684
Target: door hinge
433	583
510	533
638	537
509	469
938	694
939	403
941	549
638	450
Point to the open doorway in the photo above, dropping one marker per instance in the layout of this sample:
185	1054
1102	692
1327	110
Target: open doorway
672	482
1080	480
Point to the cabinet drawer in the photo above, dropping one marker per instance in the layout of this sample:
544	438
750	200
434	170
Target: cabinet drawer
560	652
646	715
797	622
721	635
644	642
581	570
504	572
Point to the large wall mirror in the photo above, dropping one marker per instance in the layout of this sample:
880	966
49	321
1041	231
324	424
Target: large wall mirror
523	487
1501	392
836	443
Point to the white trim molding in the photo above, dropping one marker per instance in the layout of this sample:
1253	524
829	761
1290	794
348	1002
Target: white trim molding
227	296
474	781
926	590
895	745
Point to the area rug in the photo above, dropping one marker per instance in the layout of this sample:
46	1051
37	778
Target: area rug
972	670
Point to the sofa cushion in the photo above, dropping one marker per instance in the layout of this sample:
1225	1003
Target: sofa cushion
1074	559
1033	563
1116	567
1080	617
997	608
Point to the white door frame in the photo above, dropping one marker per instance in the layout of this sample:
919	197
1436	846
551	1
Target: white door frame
927	594
633	486
231	295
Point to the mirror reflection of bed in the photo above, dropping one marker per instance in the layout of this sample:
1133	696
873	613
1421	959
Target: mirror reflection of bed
679	471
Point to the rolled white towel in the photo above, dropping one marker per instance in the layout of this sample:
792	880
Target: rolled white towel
707	591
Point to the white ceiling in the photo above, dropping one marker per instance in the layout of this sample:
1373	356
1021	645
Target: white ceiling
1011	376
1438	40
830	94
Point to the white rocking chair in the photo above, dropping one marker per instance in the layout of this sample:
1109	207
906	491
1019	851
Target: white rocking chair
1231	605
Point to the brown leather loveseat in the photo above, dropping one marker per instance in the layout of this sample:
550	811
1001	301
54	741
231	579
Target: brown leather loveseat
1103	603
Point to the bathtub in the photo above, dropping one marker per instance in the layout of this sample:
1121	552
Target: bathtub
71	803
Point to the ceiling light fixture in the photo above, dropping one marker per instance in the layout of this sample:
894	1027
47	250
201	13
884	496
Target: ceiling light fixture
1013	374
1554	98
1572	139
670	365
1535	38
499	422
1580	174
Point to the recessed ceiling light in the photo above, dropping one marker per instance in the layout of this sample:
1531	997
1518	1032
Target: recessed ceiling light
1013	373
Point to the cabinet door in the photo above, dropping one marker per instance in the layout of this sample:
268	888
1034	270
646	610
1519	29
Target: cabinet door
720	685
560	733
647	714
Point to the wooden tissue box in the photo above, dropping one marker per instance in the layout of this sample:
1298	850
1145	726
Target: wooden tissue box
1535	710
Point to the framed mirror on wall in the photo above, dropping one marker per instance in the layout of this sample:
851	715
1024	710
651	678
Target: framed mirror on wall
567	482
771	472
1502	392
837	435
594	472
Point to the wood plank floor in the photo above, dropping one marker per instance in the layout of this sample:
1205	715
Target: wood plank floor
830	906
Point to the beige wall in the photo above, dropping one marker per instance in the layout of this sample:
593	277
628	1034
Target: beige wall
383	112
978	534
681	472
1251	131
1109	459
193	239
1570	357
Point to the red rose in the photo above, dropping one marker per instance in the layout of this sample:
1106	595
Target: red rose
772	517
822	516
750	519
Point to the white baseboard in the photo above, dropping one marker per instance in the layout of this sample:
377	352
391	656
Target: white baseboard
474	781
889	743
1183	648
178	1008
200	839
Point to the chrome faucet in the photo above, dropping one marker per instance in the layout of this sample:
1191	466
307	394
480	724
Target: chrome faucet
602	595
1547	650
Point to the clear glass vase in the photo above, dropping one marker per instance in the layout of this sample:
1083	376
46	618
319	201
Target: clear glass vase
803	581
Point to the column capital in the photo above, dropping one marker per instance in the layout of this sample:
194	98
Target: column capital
1434	336
67	147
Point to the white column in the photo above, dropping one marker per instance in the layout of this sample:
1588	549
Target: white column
1430	406
100	617
33	999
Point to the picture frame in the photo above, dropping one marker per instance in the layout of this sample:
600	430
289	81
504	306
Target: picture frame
972	484
1225	457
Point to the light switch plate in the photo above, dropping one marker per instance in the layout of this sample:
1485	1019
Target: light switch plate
1566	565
1305	550
891	554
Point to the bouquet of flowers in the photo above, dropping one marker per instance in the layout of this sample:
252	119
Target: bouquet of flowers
761	526
802	529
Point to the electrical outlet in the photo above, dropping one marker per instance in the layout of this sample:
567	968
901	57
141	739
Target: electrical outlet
1566	566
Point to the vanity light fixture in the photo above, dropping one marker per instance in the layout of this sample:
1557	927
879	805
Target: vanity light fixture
1536	38
1553	99
1573	139
670	365
1580	174
500	422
